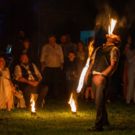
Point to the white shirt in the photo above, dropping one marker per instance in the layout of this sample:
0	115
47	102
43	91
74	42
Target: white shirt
52	56
18	72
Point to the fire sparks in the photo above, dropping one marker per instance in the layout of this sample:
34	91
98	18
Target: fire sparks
72	103
32	101
81	80
111	26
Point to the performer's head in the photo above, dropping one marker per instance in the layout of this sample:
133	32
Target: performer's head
115	39
100	36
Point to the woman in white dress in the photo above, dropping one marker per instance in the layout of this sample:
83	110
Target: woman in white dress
6	87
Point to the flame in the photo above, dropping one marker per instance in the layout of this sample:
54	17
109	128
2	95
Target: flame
81	80
32	101
72	103
111	26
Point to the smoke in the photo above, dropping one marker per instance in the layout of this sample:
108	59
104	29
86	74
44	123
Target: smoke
129	13
125	16
123	22
105	13
127	19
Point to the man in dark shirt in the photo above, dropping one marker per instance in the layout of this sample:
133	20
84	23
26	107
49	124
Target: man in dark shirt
104	62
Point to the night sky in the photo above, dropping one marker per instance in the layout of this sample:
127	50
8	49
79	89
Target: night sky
38	18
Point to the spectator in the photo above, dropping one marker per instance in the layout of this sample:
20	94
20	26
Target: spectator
71	73
28	77
6	89
67	46
17	46
63	44
23	48
81	55
130	55
51	65
20	36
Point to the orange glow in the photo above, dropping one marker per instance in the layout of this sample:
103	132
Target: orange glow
72	103
32	101
81	80
111	26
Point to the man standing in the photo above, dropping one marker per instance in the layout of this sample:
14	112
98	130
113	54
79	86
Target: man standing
104	62
51	65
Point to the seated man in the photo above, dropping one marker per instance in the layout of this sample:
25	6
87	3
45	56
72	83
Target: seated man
28	78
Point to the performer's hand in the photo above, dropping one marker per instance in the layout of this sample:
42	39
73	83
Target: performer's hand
98	80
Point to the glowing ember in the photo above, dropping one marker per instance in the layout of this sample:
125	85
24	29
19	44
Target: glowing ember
111	26
32	101
72	103
81	80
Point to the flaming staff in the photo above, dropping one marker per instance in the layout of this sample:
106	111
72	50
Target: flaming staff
111	26
81	80
72	103
32	101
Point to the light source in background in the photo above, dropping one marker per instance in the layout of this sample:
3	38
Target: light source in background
72	104
32	102
111	26
81	79
85	35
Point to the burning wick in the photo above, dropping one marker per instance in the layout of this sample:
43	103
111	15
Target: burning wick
111	26
81	80
32	101
72	104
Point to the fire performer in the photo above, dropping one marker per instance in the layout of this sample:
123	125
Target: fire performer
104	61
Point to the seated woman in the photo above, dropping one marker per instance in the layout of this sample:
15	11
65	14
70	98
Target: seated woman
6	87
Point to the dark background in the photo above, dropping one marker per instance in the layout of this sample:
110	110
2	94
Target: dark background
38	18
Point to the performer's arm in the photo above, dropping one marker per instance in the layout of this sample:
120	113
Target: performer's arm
88	71
113	62
19	77
109	69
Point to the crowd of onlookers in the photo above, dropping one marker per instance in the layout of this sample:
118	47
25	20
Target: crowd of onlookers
58	74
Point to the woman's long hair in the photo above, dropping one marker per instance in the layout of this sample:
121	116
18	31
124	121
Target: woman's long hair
100	36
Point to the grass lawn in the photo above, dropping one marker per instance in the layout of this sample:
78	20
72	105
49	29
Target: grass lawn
56	119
